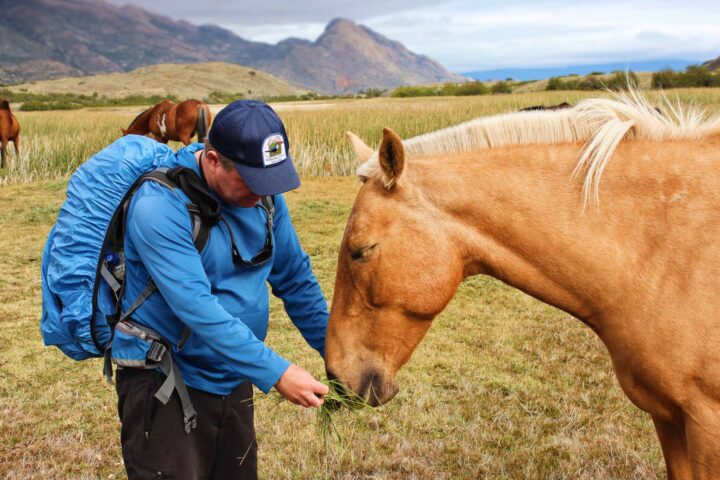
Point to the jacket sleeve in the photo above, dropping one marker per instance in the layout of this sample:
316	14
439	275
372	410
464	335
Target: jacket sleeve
160	227
292	280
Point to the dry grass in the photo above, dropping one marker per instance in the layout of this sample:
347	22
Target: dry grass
195	80
503	387
53	144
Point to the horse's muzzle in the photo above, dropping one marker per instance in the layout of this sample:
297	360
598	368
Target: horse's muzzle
371	386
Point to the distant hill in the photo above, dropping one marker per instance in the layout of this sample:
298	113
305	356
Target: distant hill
185	81
644	82
712	64
524	74
45	39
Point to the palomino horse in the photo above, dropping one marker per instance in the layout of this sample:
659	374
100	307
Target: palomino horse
635	257
9	131
169	121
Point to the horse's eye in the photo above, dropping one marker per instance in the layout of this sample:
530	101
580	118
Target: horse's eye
362	253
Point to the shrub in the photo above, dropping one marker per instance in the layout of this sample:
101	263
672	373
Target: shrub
35	106
664	78
223	97
621	81
618	81
555	84
694	76
462	89
501	87
415	91
371	92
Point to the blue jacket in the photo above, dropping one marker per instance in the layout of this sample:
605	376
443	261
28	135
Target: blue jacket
224	305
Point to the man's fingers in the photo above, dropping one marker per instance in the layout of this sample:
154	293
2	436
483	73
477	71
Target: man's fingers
321	388
299	386
313	400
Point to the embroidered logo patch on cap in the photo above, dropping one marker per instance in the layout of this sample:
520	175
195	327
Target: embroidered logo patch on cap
273	149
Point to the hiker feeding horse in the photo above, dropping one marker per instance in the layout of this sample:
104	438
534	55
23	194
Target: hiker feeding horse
169	121
607	211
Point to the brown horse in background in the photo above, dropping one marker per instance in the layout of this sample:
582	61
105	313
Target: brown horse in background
9	131
169	121
494	196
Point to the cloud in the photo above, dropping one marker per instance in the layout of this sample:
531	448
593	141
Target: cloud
470	35
653	36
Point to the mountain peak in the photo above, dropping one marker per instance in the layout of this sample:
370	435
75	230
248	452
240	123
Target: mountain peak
340	23
76	37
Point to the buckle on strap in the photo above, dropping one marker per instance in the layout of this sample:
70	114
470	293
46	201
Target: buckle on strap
156	352
189	419
174	381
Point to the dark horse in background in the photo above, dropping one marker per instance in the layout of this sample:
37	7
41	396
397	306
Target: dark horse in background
9	131
169	121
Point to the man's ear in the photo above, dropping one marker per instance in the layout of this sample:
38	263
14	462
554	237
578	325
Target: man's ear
212	158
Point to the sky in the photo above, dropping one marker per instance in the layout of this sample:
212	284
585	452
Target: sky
468	35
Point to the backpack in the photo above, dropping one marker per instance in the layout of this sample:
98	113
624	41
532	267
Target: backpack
82	272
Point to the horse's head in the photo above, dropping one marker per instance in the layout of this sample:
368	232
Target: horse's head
397	269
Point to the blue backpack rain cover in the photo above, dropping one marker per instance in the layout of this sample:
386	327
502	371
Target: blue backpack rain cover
73	317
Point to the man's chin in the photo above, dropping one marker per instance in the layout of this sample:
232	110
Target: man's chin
247	202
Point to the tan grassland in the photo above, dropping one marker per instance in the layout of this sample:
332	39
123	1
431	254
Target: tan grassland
183	80
503	387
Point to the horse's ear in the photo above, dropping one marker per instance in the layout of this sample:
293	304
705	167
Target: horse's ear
362	151
391	157
124	131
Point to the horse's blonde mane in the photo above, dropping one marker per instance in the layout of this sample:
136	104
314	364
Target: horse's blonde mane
601	123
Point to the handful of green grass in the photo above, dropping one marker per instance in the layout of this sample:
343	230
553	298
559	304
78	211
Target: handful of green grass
338	397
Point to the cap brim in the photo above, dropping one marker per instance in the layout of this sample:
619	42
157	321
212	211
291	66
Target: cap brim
273	180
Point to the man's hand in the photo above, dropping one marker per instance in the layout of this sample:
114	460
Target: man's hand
298	386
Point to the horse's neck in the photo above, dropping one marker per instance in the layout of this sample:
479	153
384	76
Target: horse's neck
517	216
140	126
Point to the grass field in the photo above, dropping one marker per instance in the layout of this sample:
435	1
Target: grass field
195	80
55	143
503	387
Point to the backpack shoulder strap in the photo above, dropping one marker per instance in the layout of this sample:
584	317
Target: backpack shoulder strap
268	203
204	209
200	225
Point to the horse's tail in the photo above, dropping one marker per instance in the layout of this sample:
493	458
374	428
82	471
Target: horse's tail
140	125
203	121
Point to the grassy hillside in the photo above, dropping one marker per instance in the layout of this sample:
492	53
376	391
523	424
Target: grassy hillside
182	80
538	86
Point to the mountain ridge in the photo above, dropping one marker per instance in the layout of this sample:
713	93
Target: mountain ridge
45	39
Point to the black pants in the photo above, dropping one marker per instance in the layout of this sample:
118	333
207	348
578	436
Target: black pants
154	442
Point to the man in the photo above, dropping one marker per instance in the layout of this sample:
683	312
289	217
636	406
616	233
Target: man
219	297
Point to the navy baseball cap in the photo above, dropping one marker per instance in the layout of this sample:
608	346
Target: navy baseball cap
250	133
